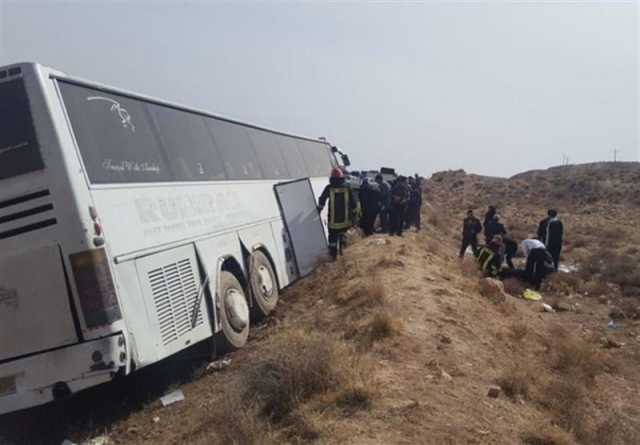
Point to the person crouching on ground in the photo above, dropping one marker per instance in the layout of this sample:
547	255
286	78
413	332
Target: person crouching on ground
342	208
539	262
489	258
471	227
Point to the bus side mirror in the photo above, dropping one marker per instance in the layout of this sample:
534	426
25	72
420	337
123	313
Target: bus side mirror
345	160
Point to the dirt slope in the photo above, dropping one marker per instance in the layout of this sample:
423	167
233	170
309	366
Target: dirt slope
395	343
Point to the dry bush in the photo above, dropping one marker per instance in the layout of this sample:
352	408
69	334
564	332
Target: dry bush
595	288
562	283
573	356
547	435
370	294
383	325
298	366
433	246
354	398
238	423
566	398
515	382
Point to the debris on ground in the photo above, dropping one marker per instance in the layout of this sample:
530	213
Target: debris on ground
494	392
547	308
218	365
172	397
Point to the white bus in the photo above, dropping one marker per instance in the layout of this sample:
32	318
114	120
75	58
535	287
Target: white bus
130	229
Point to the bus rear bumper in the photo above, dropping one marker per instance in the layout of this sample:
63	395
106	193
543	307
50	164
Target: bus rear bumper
41	378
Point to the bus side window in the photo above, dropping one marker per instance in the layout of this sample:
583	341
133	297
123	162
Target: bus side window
292	157
268	154
235	147
189	147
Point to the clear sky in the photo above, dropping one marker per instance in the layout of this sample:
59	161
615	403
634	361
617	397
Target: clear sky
494	87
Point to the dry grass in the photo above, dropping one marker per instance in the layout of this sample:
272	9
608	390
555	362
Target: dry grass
388	263
573	356
518	331
566	398
267	400
369	294
548	435
516	382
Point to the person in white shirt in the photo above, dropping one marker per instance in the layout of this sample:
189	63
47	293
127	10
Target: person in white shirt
539	261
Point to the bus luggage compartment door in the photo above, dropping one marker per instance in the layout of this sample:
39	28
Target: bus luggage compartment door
302	222
35	313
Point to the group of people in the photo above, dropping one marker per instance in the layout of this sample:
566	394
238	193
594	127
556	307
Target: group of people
396	205
542	252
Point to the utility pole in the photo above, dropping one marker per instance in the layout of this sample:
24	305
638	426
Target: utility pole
615	154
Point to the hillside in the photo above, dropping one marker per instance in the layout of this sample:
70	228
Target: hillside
396	344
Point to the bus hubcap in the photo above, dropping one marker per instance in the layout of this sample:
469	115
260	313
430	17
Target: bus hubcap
237	309
266	283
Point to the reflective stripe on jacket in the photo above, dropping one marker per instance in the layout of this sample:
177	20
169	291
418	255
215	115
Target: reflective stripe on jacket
339	208
487	260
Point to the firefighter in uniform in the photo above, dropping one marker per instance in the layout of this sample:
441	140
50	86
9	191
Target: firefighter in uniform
342	209
489	258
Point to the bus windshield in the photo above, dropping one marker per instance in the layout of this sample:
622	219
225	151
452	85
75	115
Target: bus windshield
19	151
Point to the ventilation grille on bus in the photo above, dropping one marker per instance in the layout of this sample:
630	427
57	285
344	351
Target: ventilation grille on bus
175	293
9	216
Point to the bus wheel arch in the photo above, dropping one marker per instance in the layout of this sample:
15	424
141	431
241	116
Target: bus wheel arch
264	282
232	304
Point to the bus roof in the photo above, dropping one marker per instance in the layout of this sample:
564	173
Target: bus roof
56	74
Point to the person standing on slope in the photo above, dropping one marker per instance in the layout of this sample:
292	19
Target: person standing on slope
471	227
399	200
488	217
342	209
370	204
551	232
494	228
539	262
385	202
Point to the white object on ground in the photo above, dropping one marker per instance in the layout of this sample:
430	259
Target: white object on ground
172	397
547	308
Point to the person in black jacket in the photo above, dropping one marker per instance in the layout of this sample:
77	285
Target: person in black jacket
399	200
370	202
414	205
342	209
551	233
488	217
493	227
471	227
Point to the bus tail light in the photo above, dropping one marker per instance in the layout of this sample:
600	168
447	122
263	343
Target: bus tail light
95	287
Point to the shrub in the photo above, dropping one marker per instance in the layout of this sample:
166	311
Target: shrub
548	435
573	356
515	382
566	398
298	365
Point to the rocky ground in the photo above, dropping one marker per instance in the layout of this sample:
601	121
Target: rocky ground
401	342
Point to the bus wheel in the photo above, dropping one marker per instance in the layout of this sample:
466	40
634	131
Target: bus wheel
234	314
264	285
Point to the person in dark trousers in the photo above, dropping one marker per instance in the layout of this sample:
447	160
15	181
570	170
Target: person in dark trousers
399	200
385	202
471	227
342	208
370	203
539	262
493	228
414	205
551	232
488	217
510	250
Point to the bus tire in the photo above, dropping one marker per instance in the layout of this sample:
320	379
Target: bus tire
234	314
264	285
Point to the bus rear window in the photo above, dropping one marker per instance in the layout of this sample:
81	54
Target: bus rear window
19	151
